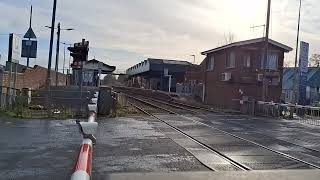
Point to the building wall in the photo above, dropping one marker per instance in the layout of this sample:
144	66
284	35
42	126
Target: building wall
227	94
34	78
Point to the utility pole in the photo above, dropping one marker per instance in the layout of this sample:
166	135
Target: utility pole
265	80
57	53
295	87
51	45
298	34
64	58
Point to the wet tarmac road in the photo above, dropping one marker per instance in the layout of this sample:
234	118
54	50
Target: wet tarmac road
41	149
137	145
37	149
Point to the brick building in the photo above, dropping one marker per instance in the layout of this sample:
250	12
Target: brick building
236	71
33	78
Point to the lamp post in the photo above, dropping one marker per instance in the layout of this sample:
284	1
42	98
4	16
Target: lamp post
64	56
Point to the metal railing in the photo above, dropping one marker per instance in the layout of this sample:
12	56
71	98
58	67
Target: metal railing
303	114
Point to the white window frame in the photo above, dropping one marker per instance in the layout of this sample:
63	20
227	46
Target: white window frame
210	64
231	60
247	60
271	56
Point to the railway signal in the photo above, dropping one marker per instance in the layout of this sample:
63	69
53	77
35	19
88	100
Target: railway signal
79	53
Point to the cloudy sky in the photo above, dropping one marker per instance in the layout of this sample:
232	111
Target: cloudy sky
124	32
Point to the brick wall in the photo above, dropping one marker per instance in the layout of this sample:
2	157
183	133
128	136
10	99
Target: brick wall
226	94
34	78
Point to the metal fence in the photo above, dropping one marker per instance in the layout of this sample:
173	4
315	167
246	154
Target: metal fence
303	114
62	101
195	90
44	103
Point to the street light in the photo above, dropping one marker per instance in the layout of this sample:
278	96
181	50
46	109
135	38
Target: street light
64	55
68	29
58	47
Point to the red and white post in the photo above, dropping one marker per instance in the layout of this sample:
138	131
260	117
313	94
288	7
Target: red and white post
82	168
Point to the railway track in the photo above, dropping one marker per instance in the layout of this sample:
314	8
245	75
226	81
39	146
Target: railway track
170	108
196	110
237	165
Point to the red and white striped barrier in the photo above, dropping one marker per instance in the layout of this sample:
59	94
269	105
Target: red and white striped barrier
82	168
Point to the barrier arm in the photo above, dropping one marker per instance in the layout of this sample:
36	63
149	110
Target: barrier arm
83	165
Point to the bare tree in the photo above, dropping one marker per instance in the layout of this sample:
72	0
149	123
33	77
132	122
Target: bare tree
314	60
109	79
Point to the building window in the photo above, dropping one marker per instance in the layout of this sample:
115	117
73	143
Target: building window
210	64
231	60
247	60
288	94
271	63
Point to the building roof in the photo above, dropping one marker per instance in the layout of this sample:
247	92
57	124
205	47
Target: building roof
161	61
247	42
167	61
151	63
313	79
94	65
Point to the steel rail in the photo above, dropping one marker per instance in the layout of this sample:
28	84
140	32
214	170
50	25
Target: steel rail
235	136
226	158
190	110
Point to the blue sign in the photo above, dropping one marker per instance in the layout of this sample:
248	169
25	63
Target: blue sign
303	72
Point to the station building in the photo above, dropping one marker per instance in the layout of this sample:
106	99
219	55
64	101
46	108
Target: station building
89	72
235	72
156	74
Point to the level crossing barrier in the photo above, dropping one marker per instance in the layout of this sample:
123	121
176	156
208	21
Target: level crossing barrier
83	165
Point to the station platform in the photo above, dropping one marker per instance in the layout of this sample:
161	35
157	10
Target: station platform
253	175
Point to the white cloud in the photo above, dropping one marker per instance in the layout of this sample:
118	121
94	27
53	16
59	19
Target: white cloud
166	28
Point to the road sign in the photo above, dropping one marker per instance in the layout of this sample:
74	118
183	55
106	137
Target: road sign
29	49
30	34
14	53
